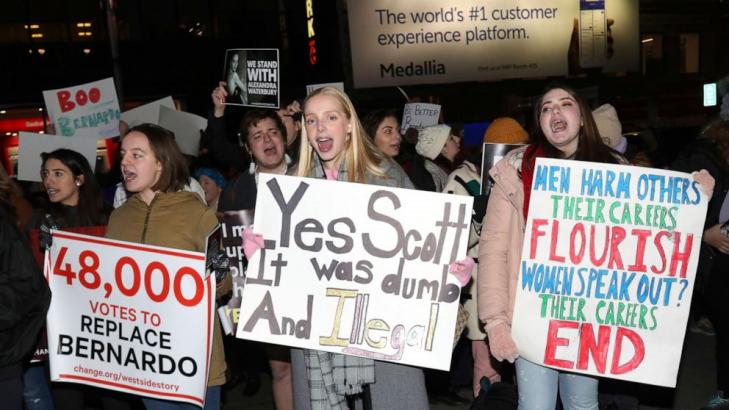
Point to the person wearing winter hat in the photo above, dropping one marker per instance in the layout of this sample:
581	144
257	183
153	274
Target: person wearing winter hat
609	127
505	130
437	143
213	183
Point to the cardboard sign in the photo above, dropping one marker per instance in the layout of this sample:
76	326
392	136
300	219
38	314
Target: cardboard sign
252	77
419	115
428	41
130	317
490	155
312	87
607	269
90	109
32	145
186	127
366	277
147	113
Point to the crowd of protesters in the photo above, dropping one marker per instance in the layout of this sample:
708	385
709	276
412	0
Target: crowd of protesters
322	136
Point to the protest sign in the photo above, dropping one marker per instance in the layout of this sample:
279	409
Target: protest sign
607	269
419	115
186	127
252	77
491	154
90	110
426	42
312	87
147	113
368	277
232	224
130	317
32	145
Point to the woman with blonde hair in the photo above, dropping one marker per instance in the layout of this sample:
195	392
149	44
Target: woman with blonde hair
334	146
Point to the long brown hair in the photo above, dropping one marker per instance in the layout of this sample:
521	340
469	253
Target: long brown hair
175	174
590	147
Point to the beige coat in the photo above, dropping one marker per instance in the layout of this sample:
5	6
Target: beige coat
501	241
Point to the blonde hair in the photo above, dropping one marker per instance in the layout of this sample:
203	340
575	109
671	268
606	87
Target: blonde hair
360	153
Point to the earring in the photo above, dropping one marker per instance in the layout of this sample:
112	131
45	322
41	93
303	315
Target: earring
78	183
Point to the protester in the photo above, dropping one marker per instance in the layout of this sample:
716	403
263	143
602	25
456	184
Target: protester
263	134
160	213
212	183
711	151
440	147
24	300
334	146
383	128
567	130
73	199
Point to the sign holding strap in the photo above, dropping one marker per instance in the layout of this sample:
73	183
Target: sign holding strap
252	77
368	277
32	145
147	113
419	115
607	270
130	317
90	109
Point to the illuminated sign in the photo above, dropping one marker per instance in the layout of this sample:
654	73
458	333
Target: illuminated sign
311	35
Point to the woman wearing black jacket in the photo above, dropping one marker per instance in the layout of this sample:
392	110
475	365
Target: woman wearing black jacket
24	300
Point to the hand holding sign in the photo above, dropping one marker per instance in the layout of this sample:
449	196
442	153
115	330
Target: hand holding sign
252	242
501	344
706	181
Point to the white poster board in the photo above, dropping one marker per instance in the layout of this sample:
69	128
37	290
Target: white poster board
32	145
608	266
147	113
186	127
130	317
429	41
364	275
312	87
419	115
90	109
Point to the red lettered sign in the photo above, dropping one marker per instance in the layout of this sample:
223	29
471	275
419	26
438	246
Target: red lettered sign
130	317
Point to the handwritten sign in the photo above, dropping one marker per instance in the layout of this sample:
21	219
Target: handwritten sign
129	317
607	270
419	115
366	275
90	109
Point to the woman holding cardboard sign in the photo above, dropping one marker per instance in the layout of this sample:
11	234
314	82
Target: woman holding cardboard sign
161	213
334	146
566	130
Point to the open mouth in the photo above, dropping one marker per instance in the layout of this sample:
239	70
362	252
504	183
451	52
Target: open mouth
558	125
52	191
270	150
129	176
324	144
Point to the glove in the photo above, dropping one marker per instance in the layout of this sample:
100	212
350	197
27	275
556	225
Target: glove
217	262
706	181
44	237
252	242
501	344
462	270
